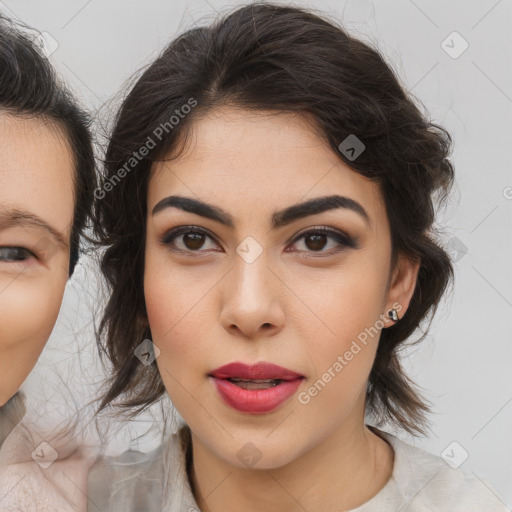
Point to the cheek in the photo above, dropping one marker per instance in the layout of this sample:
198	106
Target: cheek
173	300
177	297
180	318
343	302
344	331
28	312
170	331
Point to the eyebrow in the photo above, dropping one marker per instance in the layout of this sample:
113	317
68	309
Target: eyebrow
279	219
22	218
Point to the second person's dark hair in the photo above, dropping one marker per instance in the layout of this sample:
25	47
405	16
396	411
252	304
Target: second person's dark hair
283	59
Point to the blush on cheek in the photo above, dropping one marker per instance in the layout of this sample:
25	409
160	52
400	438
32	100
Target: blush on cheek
172	308
28	313
27	317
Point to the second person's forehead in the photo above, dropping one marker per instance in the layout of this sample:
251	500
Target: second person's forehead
254	152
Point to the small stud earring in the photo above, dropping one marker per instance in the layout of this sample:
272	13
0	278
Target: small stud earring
393	314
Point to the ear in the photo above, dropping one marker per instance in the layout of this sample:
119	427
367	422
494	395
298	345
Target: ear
402	285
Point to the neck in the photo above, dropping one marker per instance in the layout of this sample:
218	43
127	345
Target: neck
11	414
344	471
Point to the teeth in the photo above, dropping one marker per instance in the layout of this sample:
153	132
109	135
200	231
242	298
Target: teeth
236	379
255	384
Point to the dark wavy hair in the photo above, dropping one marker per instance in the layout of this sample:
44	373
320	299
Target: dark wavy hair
285	59
29	87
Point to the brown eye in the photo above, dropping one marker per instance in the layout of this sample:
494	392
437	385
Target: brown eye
193	241
318	239
316	242
187	239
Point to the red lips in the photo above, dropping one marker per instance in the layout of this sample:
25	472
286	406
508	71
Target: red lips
270	386
257	371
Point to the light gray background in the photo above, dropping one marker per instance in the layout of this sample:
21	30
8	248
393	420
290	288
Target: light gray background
464	366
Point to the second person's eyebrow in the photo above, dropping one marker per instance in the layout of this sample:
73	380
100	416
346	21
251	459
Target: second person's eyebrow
279	219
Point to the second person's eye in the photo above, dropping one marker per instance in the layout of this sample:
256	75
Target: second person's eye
188	239
191	239
316	241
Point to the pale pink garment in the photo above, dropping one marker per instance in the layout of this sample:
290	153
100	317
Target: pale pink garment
158	481
31	479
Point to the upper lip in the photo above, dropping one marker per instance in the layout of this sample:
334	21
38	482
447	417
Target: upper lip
257	371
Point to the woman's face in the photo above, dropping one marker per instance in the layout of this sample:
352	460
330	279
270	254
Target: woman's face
36	213
264	285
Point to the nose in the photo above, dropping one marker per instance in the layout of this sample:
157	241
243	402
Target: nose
252	302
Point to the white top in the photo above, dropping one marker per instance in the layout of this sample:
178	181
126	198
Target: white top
158	481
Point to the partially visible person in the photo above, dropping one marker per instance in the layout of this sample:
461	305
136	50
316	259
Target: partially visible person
46	182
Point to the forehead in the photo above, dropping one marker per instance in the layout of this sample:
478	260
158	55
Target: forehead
36	168
259	158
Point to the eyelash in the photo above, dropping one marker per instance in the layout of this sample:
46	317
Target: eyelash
15	249
342	239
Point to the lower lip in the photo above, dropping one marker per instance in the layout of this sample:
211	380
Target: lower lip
255	401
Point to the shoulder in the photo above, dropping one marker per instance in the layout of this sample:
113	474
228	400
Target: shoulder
423	481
